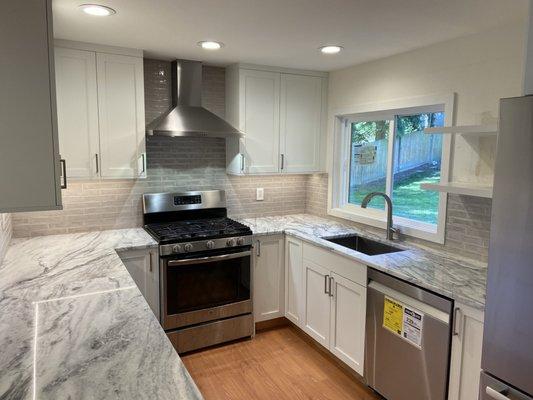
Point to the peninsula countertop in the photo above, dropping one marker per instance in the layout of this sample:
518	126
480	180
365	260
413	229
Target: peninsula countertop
74	325
458	278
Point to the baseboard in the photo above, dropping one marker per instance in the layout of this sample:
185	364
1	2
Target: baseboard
271	324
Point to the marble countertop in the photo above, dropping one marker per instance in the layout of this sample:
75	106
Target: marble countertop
459	278
74	325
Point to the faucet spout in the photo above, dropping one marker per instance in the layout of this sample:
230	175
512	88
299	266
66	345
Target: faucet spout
369	197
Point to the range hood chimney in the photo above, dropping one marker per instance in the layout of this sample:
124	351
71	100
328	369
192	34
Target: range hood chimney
187	117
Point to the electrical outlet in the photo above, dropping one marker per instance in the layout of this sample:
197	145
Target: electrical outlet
260	194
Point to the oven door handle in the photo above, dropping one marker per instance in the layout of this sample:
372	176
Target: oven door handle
201	260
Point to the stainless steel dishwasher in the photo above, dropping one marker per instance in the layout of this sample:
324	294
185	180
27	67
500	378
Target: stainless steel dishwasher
408	335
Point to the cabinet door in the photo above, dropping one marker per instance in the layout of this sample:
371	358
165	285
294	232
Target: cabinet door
300	122
143	267
29	155
268	278
348	312
121	114
259	119
77	111
317	303
467	341
293	281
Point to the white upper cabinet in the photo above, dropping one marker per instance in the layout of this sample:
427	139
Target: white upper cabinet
121	114
29	155
259	116
300	122
282	114
77	110
100	101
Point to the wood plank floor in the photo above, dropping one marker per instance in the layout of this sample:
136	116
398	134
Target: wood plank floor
276	364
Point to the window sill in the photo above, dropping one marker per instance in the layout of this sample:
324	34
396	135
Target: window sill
378	219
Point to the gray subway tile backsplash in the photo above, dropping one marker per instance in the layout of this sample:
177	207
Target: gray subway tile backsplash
179	164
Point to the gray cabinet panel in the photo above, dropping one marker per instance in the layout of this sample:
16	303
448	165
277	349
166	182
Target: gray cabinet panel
29	159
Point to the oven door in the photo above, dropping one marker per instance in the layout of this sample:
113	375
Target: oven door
206	288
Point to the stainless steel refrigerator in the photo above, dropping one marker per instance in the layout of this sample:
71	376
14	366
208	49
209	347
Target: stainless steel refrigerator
507	361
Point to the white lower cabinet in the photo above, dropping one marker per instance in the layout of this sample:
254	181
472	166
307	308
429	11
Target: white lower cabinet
293	280
317	302
268	278
335	306
143	266
467	341
348	316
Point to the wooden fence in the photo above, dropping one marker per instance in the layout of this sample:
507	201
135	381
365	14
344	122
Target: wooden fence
369	161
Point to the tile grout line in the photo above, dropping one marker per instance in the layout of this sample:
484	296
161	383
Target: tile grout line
75	296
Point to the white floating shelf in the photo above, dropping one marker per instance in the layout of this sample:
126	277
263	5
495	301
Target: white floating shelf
470	130
464	188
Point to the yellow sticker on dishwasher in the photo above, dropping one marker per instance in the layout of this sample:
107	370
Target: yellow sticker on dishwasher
393	315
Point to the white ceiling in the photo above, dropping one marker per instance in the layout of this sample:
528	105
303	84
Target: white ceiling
282	32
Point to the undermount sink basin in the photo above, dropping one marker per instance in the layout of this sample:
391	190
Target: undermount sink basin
363	245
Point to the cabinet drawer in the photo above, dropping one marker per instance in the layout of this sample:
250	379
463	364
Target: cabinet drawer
343	266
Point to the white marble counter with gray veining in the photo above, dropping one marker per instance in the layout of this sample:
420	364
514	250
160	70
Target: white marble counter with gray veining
455	277
73	325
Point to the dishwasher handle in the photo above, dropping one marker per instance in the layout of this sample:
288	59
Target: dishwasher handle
410	301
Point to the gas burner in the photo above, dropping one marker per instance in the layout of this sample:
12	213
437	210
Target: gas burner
192	222
180	231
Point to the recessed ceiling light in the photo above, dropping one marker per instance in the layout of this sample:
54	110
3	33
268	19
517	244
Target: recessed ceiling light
210	45
330	49
97	10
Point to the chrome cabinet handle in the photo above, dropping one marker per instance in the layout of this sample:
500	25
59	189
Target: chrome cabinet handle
282	161
456	312
326	280
242	162
144	163
331	283
494	394
151	266
63	173
97	163
258	252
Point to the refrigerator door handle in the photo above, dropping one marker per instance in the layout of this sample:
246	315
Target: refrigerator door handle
494	394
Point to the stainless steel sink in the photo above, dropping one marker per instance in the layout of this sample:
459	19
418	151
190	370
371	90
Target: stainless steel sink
363	245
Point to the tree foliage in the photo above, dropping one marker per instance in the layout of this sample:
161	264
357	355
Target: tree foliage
371	131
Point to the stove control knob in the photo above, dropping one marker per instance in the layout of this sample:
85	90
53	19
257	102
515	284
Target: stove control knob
210	244
240	241
230	242
176	248
187	247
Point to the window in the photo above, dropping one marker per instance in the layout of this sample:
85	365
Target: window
387	151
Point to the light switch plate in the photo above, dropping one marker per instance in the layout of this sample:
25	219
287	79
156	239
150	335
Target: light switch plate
260	194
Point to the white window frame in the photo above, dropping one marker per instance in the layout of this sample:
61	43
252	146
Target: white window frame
339	162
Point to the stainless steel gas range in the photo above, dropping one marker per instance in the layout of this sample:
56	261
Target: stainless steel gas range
205	268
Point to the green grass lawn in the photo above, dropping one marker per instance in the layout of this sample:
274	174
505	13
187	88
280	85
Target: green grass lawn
409	201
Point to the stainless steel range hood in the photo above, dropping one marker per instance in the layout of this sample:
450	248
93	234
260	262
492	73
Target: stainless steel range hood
187	116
